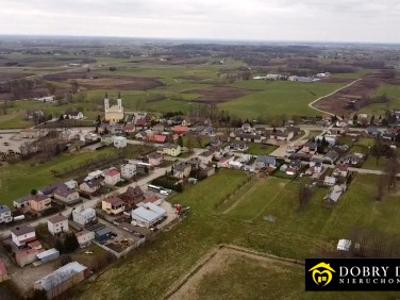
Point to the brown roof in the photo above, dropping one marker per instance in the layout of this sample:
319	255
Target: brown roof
113	200
58	218
23	229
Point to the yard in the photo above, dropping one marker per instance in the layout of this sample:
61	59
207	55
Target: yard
259	149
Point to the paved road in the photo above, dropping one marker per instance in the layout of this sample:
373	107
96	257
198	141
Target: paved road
311	104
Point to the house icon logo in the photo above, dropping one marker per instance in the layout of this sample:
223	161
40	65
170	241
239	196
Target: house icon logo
322	274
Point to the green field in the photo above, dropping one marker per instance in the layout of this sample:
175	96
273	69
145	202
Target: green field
258	149
17	180
270	99
393	92
294	233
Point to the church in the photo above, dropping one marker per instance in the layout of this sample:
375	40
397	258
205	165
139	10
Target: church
114	113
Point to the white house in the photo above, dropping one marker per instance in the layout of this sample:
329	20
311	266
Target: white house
57	224
148	214
84	216
344	245
5	214
120	142
21	235
128	171
112	176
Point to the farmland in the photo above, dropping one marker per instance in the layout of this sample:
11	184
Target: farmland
287	232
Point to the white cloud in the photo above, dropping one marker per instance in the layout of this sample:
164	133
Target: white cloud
320	20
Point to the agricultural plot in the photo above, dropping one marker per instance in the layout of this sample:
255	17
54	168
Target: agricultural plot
292	233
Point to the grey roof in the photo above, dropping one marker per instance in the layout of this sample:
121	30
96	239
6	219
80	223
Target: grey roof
63	191
57	219
60	275
266	159
23	229
4	209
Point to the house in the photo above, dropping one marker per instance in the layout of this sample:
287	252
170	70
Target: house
206	157
113	205
148	215
265	161
341	171
336	192
172	150
84	216
310	147
57	224
85	237
158	138
72	184
39	203
21	203
112	176
329	138
181	170
5	214
128	170
61	279
246	127
129	129
344	245
132	196
155	159
180	130
23	234
331	156
329	181
75	115
66	195
3	271
26	256
120	142
91	186
207	171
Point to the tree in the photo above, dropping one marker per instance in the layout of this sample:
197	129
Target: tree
305	193
34	192
70	243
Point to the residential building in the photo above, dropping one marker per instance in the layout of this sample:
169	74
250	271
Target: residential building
180	130
25	257
148	215
172	150
84	216
39	203
155	159
85	237
120	142
112	176
265	161
181	170
91	186
66	195
132	196
5	214
23	234
113	205
128	170
57	224
61	279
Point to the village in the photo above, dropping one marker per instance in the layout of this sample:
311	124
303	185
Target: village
116	207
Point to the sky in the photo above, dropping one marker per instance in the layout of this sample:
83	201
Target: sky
265	20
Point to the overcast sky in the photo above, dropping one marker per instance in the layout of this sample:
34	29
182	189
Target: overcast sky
279	20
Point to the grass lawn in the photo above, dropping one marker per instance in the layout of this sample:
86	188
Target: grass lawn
269	99
259	149
295	233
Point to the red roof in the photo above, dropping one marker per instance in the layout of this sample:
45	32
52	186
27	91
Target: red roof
112	172
180	129
158	138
